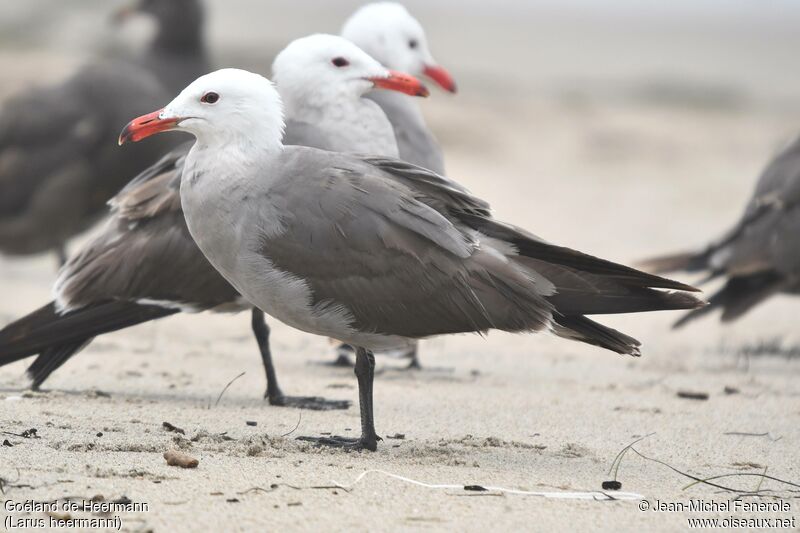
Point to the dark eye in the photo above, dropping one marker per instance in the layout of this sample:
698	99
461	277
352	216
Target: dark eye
210	98
413	44
340	62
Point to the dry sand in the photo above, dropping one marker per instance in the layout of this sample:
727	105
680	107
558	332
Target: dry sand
621	178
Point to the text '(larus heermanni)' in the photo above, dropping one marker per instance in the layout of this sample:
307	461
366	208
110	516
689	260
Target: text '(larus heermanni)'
144	264
374	251
760	256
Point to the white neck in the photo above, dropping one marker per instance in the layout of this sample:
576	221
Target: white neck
349	125
224	162
396	105
215	183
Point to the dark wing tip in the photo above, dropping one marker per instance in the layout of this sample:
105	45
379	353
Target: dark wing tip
679	286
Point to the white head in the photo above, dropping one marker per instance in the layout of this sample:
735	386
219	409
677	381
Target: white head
322	71
224	107
388	32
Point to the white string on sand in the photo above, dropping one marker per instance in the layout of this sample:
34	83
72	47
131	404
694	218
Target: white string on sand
591	495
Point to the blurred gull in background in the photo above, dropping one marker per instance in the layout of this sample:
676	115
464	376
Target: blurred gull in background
58	161
760	256
177	53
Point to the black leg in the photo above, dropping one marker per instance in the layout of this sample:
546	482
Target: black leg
413	355
365	372
261	332
343	353
274	393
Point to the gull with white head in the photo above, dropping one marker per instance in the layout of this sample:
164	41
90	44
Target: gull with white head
374	251
321	79
390	34
144	264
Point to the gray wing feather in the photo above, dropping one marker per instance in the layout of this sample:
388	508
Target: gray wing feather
445	193
155	190
378	233
145	251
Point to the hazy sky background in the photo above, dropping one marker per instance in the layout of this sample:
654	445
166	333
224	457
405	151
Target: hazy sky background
732	48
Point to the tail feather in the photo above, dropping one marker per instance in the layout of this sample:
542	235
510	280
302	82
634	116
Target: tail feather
738	296
583	293
45	329
532	247
624	301
580	328
594	265
51	360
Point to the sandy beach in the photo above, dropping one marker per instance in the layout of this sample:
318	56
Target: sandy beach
621	169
